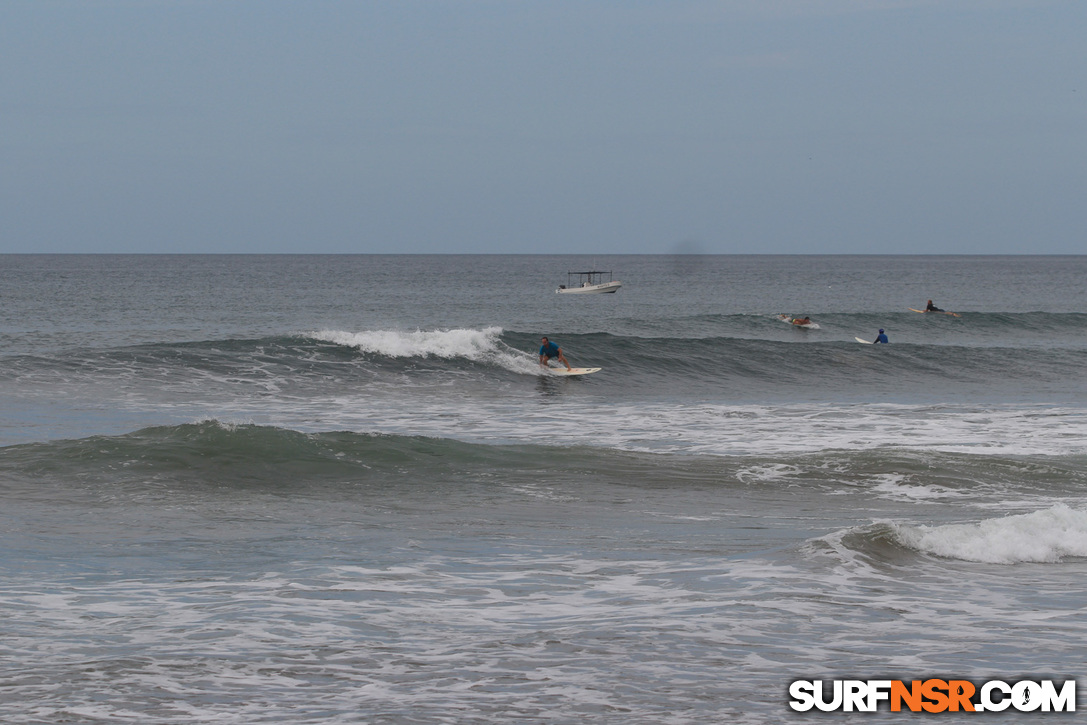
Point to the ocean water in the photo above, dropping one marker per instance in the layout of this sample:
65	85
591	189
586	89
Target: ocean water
337	489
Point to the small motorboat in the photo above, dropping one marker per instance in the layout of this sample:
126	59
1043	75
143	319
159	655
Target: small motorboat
588	283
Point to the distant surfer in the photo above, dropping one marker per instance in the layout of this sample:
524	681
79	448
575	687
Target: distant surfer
801	320
933	308
549	350
881	337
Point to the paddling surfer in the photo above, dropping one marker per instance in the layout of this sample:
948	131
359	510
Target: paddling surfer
932	308
549	350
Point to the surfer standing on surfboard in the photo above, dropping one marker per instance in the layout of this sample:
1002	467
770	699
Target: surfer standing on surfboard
549	350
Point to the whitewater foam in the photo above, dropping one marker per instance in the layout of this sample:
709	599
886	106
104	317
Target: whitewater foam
481	345
465	343
898	486
705	429
1048	535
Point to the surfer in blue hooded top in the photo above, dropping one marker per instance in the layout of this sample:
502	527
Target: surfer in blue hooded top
549	350
881	337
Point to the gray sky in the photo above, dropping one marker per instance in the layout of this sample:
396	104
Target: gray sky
544	126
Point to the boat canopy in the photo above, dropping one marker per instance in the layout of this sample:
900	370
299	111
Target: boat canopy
591	277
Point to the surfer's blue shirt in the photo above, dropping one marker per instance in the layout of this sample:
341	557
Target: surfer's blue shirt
550	349
882	337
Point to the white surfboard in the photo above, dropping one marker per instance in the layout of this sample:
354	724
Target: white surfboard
938	312
572	371
789	320
866	342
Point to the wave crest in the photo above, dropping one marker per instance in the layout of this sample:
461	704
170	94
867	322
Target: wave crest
1048	535
483	345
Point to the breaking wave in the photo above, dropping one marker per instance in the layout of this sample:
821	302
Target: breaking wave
1049	535
483	345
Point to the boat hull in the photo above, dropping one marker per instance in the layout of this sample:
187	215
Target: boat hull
591	289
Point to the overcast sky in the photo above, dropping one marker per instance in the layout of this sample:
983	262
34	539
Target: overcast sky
544	126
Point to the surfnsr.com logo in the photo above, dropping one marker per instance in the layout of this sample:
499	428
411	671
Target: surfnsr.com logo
933	696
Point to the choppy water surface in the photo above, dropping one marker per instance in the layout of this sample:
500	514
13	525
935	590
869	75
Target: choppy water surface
337	489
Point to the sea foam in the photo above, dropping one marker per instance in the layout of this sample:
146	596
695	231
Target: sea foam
481	345
471	344
1048	535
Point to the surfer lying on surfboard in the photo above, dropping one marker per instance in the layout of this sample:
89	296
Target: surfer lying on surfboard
799	321
549	350
933	308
